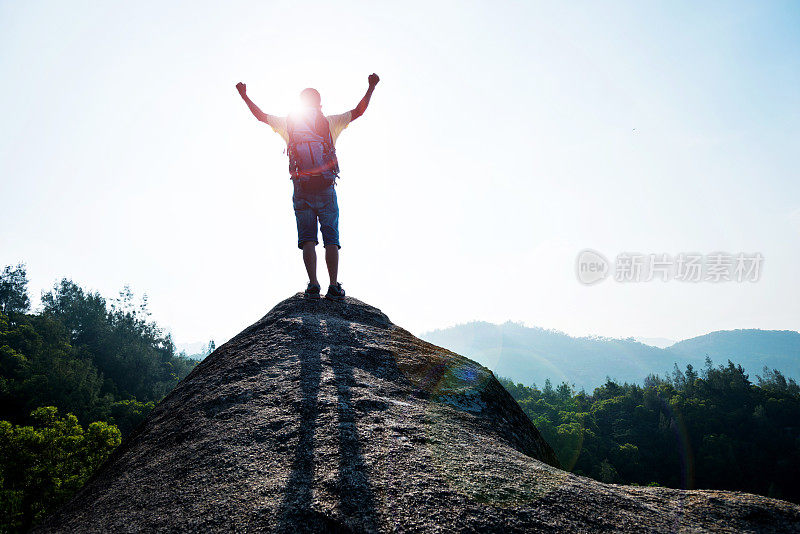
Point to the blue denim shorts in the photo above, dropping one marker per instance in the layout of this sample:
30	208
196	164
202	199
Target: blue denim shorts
310	208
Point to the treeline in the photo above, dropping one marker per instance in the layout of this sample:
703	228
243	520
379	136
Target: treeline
102	365
715	429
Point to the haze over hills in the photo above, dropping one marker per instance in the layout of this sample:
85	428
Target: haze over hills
777	349
532	355
660	342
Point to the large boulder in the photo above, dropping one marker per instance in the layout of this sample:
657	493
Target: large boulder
326	417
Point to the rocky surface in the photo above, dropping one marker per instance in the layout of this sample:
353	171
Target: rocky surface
326	417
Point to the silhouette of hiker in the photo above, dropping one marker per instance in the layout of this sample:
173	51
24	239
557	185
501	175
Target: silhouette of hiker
310	140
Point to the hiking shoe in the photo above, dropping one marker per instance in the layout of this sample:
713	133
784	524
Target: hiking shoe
312	291
335	292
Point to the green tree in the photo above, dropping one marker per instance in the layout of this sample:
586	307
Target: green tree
41	466
14	290
132	353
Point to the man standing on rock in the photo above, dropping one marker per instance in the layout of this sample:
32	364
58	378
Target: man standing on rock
310	140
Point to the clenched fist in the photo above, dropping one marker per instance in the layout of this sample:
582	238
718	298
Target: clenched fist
373	79
242	88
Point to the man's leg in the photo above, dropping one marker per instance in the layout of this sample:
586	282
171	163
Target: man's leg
310	259
306	234
332	259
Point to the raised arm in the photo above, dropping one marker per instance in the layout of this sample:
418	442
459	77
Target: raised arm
362	106
260	115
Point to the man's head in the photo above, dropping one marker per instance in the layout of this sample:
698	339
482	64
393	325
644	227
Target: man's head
310	98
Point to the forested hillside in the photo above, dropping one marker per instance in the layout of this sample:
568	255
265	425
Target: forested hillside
103	362
716	429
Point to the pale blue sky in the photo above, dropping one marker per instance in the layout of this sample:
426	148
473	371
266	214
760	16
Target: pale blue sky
499	143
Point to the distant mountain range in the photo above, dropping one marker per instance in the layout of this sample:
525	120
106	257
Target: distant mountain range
531	355
660	342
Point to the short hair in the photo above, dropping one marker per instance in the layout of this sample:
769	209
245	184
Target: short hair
310	97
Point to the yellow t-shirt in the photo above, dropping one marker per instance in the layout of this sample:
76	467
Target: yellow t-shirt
337	124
